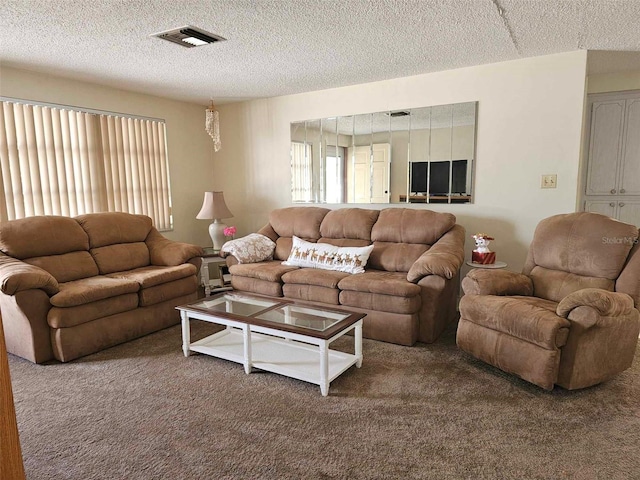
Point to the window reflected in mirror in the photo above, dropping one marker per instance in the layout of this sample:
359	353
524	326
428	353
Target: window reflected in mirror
418	155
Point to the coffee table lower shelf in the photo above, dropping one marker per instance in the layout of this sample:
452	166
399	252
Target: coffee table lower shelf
287	357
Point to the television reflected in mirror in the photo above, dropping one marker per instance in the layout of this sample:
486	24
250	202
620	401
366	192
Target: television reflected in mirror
417	155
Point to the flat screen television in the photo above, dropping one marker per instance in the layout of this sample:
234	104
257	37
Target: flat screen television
438	178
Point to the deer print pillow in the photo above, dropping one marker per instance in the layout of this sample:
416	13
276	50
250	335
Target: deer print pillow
328	257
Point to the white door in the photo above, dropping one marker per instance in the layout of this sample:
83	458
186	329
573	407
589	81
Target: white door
629	212
607	118
362	175
381	165
630	171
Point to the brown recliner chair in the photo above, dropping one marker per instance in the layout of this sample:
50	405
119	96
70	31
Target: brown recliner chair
571	318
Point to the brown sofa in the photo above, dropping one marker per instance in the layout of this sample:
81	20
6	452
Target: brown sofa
410	287
74	286
571	318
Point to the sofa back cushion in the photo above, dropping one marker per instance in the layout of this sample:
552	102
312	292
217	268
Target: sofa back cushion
577	250
42	235
348	227
303	222
68	266
117	240
121	256
114	227
56	244
401	235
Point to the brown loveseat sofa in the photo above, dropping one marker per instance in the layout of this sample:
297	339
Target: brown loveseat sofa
74	286
410	287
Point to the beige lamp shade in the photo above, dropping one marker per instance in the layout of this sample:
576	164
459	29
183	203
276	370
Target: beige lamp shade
214	206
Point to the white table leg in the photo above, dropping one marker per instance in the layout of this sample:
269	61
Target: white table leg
246	334
324	368
186	334
204	276
358	344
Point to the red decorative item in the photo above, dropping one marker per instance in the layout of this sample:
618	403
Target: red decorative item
481	254
486	258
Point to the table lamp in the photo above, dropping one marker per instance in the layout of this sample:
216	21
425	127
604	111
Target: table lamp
213	207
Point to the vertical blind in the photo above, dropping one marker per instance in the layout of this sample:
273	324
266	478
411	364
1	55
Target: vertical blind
302	173
56	161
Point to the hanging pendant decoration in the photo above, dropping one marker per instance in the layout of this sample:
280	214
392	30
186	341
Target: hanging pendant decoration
212	126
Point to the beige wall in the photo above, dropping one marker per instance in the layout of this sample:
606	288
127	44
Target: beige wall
529	123
190	150
613	82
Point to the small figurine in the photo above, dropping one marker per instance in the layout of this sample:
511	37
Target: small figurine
481	254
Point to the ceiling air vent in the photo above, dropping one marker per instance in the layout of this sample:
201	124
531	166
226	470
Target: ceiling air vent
189	36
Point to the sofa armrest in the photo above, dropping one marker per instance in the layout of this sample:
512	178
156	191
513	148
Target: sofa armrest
605	303
165	252
444	258
16	276
496	282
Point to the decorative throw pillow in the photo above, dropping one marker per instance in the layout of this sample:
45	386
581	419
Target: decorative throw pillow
328	257
250	249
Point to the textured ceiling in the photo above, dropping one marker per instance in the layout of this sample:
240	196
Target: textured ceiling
278	47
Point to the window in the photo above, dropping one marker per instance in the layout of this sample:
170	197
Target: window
334	174
301	172
57	160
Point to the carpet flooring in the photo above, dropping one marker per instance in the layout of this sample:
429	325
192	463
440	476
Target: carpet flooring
142	410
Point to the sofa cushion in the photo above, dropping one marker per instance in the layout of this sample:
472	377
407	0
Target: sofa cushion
121	257
87	290
328	257
167	291
395	257
574	243
386	283
311	293
67	266
42	235
114	227
255	285
554	285
71	316
271	271
303	222
349	223
153	275
405	225
314	276
506	314
380	302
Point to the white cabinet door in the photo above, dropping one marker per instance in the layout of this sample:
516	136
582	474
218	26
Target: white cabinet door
630	171
605	207
629	212
607	120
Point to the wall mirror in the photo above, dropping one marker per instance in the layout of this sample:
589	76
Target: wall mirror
416	155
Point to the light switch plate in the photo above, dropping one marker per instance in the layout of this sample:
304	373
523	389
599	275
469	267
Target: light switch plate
549	181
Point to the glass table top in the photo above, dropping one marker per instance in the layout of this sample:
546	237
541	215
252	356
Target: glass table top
280	314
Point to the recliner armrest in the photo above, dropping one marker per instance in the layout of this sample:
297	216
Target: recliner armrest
444	258
496	282
607	304
16	276
165	252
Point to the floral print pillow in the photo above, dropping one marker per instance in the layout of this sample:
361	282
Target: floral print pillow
250	249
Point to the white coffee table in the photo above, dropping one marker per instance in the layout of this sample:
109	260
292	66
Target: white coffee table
279	336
